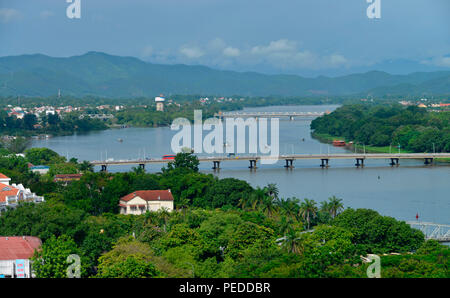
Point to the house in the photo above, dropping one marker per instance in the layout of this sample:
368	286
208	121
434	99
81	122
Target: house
15	255
67	177
40	169
141	201
11	195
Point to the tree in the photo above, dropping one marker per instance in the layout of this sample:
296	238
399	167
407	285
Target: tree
307	210
185	161
51	260
374	233
133	259
334	206
29	120
17	145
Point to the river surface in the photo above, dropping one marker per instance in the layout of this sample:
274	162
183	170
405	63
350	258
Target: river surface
401	191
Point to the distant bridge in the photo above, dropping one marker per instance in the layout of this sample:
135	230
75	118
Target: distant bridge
289	159
438	232
97	116
291	115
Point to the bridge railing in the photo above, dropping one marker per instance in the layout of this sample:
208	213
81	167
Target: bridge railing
439	232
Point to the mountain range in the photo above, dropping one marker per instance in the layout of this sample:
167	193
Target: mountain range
104	75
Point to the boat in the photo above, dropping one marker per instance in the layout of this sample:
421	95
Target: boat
120	140
338	143
169	156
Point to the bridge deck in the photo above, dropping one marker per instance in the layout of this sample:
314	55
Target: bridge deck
286	157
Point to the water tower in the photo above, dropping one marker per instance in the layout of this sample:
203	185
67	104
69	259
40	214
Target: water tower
159	103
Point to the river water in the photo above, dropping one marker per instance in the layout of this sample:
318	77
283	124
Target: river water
401	191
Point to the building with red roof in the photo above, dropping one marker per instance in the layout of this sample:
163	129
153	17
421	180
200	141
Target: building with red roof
141	201
12	194
15	255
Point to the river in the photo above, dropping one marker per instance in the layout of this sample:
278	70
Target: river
400	192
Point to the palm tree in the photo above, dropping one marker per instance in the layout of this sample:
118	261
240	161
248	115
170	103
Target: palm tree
268	206
289	206
182	204
272	190
335	206
291	242
163	215
257	197
307	210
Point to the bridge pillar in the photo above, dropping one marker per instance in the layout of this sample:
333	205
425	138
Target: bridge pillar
394	162
216	164
252	164
359	162
324	163
142	166
103	168
289	163
291	118
428	161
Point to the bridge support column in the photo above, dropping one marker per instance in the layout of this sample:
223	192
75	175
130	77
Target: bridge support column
103	168
394	162
289	163
359	162
252	164
428	161
324	163
291	118
216	165
142	166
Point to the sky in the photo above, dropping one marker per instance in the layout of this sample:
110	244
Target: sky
305	37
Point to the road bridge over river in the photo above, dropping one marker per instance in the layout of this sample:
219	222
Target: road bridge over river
360	158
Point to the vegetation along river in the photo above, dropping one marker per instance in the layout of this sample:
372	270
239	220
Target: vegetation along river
401	192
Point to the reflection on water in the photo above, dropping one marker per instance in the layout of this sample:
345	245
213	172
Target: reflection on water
395	191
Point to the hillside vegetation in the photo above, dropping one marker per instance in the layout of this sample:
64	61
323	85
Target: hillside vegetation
105	75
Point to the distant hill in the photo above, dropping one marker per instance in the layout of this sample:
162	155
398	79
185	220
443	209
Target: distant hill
100	74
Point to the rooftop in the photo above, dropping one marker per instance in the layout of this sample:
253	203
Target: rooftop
149	195
13	248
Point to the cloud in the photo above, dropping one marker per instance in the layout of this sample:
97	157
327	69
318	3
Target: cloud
285	54
231	52
46	14
216	44
191	52
147	51
8	14
282	45
279	55
443	61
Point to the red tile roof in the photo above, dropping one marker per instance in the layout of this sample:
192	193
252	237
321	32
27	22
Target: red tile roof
13	248
150	195
2	176
6	191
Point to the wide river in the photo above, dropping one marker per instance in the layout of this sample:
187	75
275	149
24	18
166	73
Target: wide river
401	191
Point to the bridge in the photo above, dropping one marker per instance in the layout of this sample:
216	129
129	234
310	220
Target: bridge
97	116
291	115
438	232
360	158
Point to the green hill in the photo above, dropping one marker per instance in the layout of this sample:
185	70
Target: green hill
106	75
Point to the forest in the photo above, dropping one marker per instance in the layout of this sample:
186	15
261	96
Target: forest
48	124
409	128
219	228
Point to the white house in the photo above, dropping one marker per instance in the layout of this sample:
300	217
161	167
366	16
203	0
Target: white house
141	201
11	195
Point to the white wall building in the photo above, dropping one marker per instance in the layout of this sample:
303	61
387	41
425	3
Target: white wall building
141	201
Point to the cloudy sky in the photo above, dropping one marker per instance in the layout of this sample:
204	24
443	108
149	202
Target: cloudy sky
307	37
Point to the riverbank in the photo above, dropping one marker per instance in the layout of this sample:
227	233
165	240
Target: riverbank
360	148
